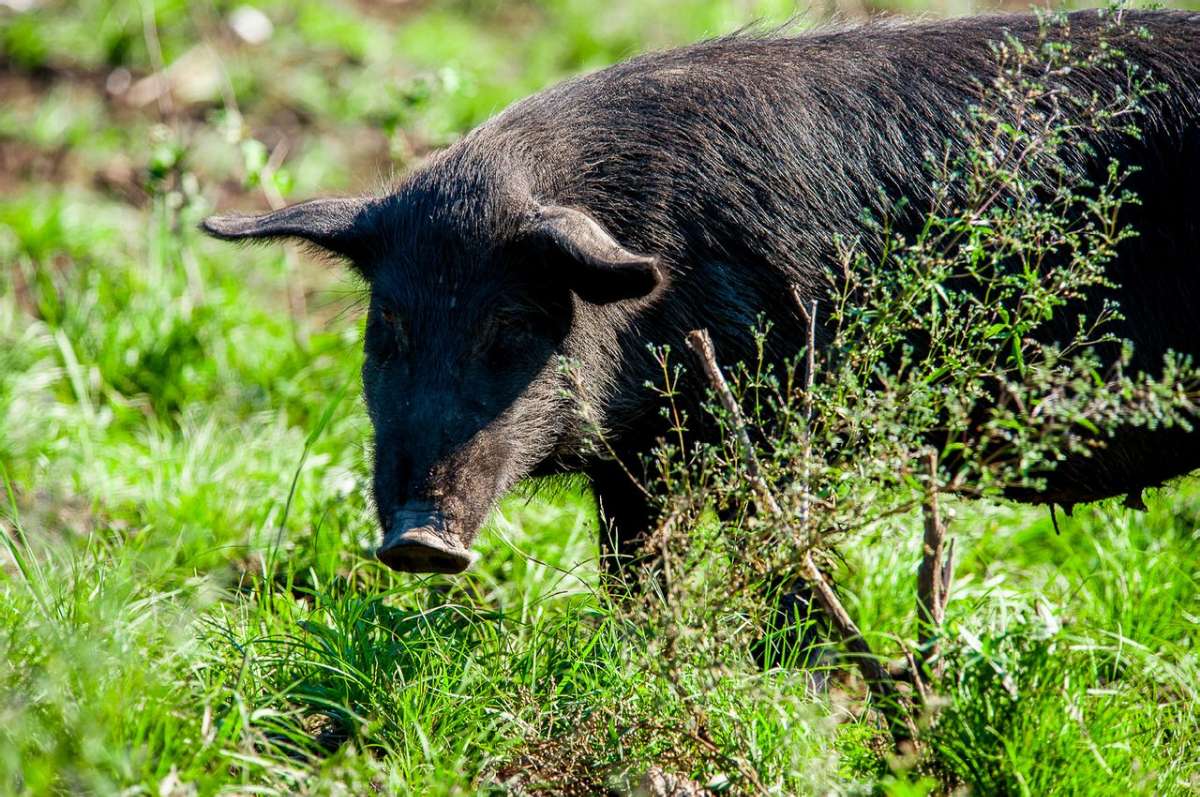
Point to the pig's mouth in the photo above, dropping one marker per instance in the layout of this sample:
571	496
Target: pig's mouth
419	542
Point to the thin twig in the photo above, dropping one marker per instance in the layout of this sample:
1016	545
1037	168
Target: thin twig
947	576
891	702
809	314
914	673
700	342
932	587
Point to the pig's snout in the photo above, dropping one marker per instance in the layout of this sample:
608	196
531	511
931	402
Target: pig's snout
418	541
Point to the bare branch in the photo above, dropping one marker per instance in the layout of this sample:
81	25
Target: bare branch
932	586
701	343
809	315
913	671
947	576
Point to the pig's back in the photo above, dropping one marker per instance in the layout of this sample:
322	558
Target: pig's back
755	140
741	161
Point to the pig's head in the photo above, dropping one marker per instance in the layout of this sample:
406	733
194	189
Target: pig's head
475	294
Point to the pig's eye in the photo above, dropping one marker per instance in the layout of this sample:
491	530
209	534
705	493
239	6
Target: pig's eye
514	324
515	329
388	336
506	334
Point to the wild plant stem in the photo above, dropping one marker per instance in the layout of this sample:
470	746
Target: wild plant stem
932	577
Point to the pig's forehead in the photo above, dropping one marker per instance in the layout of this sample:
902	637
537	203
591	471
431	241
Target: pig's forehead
440	282
434	246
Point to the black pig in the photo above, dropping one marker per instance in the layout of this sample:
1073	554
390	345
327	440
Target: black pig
690	189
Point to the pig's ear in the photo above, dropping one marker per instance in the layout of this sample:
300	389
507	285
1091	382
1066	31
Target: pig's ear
339	226
590	261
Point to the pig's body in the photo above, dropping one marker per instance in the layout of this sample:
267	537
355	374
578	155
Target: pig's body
720	174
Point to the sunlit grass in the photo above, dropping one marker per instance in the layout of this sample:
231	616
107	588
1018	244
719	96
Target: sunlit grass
177	618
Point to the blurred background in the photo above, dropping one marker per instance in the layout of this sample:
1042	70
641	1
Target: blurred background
311	96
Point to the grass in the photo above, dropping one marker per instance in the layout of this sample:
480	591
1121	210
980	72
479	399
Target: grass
188	602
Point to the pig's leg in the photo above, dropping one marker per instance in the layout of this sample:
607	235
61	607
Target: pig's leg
796	634
626	517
